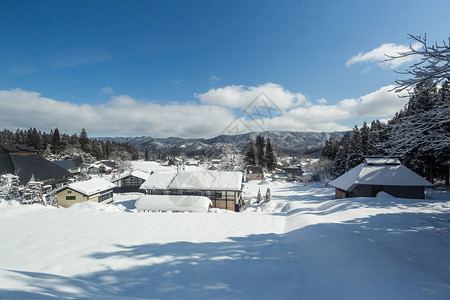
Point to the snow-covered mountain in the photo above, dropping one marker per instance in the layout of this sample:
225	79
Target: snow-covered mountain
288	142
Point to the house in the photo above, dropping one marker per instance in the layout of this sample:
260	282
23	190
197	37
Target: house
254	173
130	182
380	175
175	203
223	188
102	167
216	161
279	175
26	162
294	173
194	163
72	166
95	190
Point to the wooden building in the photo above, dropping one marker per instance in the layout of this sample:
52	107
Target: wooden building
254	173
224	189
380	175
130	182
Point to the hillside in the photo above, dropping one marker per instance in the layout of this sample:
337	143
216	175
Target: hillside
288	142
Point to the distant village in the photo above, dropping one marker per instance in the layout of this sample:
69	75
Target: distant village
66	173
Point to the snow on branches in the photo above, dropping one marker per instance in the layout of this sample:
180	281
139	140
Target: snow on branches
433	64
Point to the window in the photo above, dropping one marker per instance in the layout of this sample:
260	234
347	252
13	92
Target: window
105	197
71	198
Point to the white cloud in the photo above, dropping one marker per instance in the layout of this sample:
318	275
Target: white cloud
322	101
107	90
125	116
239	96
214	78
378	55
121	116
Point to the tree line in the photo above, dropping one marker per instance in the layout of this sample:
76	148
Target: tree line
62	145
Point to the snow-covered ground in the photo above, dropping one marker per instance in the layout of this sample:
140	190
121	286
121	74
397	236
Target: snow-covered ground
301	245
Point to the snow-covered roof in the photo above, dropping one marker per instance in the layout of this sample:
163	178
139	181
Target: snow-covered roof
382	161
92	186
390	175
173	203
138	173
199	180
98	165
208	180
158	181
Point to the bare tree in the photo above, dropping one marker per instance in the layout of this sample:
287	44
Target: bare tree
433	64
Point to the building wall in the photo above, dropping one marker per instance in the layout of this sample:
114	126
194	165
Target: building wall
128	184
255	176
64	202
411	192
219	199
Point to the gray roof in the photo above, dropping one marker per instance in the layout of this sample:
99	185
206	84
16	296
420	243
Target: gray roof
29	163
69	164
387	175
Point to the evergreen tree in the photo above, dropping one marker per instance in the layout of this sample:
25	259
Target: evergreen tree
270	157
260	145
146	155
330	149
250	156
84	140
340	162
355	154
365	132
56	139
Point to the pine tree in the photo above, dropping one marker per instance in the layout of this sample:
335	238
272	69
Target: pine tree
250	156
355	154
84	141
14	188
270	157
260	145
56	139
146	155
330	149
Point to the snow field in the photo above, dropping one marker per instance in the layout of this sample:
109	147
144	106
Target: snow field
301	245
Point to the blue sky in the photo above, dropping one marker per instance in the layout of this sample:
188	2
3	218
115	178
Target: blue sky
192	66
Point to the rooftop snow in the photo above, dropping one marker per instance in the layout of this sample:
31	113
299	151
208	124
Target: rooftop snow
382	161
390	175
92	186
138	173
208	180
203	180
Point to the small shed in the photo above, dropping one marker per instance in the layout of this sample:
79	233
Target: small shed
374	176
254	173
173	203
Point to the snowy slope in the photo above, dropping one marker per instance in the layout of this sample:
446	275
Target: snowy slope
303	245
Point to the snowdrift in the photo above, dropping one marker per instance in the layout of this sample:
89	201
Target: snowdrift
173	203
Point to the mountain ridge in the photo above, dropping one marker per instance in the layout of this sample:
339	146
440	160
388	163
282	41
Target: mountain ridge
286	142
